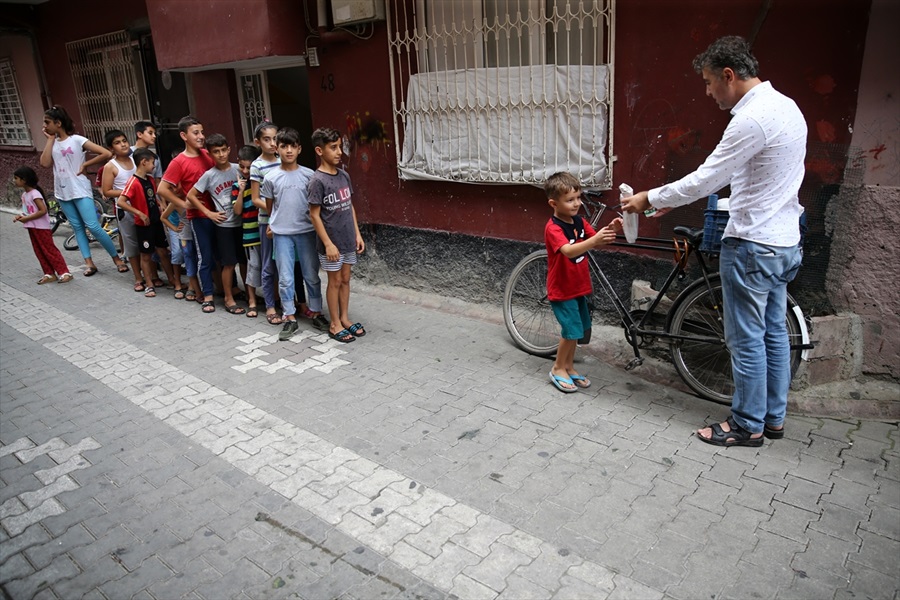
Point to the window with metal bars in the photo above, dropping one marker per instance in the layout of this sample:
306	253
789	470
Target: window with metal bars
108	84
503	91
13	126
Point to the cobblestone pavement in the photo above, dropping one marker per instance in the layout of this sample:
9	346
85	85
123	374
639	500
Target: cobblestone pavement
151	451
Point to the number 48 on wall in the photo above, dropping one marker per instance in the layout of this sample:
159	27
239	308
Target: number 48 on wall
328	82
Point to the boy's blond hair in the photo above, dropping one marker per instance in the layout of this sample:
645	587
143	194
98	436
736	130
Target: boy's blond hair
561	183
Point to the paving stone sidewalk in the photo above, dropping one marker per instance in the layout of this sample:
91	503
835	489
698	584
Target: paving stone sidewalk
151	451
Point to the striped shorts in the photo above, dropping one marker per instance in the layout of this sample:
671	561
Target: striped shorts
348	258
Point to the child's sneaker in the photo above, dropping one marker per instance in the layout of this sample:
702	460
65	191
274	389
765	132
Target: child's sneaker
288	331
320	322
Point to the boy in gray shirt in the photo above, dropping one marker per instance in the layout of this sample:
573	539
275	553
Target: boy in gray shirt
285	191
217	182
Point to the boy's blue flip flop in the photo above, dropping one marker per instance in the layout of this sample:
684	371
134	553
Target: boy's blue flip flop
581	381
558	381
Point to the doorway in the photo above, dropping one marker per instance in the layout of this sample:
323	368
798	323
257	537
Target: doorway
281	96
167	96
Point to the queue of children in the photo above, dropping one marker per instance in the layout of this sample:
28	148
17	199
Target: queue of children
266	217
275	220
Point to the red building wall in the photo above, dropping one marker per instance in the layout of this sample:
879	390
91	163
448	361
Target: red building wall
664	123
59	22
195	34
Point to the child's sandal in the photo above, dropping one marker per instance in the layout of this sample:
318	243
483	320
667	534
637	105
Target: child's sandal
46	279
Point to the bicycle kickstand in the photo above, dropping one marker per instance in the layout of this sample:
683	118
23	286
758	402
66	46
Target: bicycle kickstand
634	362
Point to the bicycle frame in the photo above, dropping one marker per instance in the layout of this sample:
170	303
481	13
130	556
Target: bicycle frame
683	249
640	328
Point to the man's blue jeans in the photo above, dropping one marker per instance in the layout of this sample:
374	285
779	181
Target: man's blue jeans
303	246
754	293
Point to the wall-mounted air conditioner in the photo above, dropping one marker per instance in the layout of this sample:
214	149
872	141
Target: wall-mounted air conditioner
350	12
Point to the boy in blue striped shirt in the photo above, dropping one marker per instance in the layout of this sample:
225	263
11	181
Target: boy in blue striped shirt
242	199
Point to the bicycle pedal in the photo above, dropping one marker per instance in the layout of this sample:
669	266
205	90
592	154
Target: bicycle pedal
634	362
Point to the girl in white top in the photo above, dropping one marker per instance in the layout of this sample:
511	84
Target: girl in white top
65	152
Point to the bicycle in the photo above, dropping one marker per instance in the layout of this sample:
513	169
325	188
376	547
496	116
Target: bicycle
107	221
56	214
693	326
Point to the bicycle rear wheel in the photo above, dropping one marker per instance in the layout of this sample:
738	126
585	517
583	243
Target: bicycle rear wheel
526	310
705	366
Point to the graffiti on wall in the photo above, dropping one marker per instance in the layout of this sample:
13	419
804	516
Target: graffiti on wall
364	134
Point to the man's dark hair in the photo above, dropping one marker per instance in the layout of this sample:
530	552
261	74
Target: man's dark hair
324	136
187	122
249	152
141	126
730	51
287	136
216	140
141	154
561	183
111	136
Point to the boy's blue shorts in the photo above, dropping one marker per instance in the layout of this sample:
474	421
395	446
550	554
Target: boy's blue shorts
573	316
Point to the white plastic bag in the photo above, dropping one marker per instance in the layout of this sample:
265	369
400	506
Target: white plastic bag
629	220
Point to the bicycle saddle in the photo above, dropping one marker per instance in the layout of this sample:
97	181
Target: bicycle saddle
694	235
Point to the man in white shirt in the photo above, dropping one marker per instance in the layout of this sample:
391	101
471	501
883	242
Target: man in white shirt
761	156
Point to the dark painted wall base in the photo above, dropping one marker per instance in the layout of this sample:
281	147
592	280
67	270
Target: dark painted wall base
475	269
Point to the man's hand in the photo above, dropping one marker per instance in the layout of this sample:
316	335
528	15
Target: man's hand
269	233
637	203
641	202
145	220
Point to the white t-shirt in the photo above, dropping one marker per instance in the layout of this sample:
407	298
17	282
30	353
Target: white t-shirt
68	156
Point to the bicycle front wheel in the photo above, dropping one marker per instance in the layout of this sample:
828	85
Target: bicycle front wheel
703	365
526	309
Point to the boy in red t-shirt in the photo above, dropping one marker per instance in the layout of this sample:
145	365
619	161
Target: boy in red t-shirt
568	238
178	180
139	198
